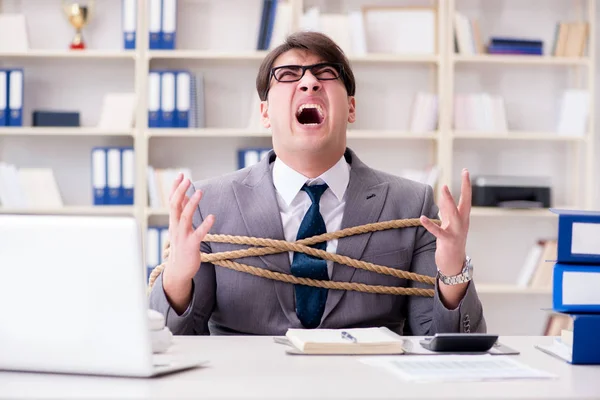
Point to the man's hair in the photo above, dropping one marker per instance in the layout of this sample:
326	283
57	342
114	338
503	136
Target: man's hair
314	42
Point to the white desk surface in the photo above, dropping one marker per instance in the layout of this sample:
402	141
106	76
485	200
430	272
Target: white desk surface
257	368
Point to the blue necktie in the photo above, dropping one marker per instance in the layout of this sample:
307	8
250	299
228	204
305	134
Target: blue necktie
310	301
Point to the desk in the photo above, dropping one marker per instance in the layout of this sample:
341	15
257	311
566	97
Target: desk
256	367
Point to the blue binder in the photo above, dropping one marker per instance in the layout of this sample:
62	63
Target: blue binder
99	176
114	175
250	156
15	97
127	176
573	286
129	21
585	349
152	248
154	96
154	24
168	27
575	229
167	99
183	98
3	97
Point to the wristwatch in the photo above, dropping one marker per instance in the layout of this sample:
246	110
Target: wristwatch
465	276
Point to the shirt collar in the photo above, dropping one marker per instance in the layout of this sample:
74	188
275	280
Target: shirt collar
288	182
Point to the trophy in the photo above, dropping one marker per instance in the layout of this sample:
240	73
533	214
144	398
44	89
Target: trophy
78	15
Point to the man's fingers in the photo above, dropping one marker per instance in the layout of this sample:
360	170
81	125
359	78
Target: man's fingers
188	212
466	193
176	200
204	228
432	227
447	205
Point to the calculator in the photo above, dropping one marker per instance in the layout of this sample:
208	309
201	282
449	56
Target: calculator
459	342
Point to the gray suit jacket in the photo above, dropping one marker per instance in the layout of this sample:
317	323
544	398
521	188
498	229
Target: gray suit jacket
244	203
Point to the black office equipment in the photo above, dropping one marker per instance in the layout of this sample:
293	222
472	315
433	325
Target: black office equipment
511	191
56	118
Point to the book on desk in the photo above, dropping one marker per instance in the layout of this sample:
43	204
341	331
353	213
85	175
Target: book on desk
379	340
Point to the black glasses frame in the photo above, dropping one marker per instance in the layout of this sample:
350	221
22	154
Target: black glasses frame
339	67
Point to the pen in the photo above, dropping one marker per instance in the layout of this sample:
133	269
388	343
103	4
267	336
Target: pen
347	336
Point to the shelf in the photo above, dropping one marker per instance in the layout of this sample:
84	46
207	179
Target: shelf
72	210
260	55
491	288
390	134
206	55
395	58
232	132
514	212
520	60
516	135
61	131
157	212
206	132
72	54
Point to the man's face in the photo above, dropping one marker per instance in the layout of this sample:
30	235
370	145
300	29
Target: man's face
309	115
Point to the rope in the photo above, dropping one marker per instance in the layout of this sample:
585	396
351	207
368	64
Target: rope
273	246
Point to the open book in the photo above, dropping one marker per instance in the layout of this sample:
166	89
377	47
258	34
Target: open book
345	341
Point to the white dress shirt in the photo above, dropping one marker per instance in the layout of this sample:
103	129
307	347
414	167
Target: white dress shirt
294	202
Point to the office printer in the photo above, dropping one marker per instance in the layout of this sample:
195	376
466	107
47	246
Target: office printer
511	191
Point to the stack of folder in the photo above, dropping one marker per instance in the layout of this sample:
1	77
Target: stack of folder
162	24
175	99
113	176
251	155
576	286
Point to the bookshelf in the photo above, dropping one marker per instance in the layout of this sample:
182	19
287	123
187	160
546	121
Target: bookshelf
386	85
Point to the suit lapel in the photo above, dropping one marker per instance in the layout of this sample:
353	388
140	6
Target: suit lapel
365	200
257	202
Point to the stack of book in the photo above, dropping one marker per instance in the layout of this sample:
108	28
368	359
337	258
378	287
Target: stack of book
570	39
576	287
506	45
34	188
160	182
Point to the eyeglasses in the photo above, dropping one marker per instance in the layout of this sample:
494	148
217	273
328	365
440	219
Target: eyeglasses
321	71
327	71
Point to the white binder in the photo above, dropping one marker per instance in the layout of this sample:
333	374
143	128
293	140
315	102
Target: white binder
167	99
154	99
113	162
100	194
15	97
169	24
184	93
152	249
128	178
3	98
129	24
154	22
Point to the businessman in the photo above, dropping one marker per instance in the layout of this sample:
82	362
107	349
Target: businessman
311	183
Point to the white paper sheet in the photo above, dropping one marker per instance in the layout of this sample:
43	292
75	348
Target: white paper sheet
453	368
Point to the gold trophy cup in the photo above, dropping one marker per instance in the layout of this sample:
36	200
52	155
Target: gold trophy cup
79	16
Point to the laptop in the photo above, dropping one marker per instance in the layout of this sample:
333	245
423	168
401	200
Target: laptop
73	297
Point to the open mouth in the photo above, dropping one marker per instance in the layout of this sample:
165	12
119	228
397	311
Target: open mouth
310	114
